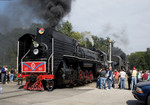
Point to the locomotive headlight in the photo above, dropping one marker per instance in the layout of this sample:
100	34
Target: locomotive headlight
35	51
36	44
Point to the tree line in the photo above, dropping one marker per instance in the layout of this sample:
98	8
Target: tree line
140	60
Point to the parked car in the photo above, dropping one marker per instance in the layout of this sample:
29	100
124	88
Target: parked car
142	92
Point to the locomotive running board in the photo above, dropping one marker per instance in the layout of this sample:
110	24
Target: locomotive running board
69	56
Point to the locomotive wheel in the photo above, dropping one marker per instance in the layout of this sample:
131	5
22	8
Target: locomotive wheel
91	76
70	84
75	83
50	85
86	76
67	85
81	76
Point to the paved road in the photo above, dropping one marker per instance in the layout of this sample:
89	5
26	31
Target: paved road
85	95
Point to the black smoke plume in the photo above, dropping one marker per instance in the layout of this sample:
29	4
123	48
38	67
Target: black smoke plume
22	13
51	11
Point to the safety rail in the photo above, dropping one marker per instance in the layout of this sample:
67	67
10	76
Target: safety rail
52	60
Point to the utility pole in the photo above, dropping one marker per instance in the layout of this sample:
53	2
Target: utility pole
110	47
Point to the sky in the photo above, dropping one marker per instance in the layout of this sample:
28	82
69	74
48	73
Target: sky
127	22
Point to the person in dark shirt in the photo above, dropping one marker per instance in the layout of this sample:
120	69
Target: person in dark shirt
103	78
129	74
110	76
98	79
3	75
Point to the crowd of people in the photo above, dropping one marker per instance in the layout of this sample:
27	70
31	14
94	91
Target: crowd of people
7	75
106	79
117	79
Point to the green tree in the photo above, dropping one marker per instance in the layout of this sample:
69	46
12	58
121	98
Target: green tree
147	57
11	55
138	59
88	43
101	43
65	28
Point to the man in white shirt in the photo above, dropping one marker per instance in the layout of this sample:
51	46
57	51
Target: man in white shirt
122	79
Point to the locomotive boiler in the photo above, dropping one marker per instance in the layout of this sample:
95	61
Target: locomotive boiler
51	58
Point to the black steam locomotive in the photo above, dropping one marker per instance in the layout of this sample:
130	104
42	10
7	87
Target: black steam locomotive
51	57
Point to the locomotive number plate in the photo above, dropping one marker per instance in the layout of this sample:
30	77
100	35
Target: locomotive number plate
33	66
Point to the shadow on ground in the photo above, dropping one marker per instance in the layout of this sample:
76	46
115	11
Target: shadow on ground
21	87
135	102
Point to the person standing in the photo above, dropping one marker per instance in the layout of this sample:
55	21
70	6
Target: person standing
103	78
116	77
122	79
110	76
6	74
145	76
98	79
3	75
139	76
11	76
113	80
129	74
133	81
15	75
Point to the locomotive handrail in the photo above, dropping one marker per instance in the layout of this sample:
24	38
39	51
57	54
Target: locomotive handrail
48	62
52	60
25	55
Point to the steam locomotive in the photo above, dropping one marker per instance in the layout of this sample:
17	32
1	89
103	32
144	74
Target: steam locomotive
51	58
